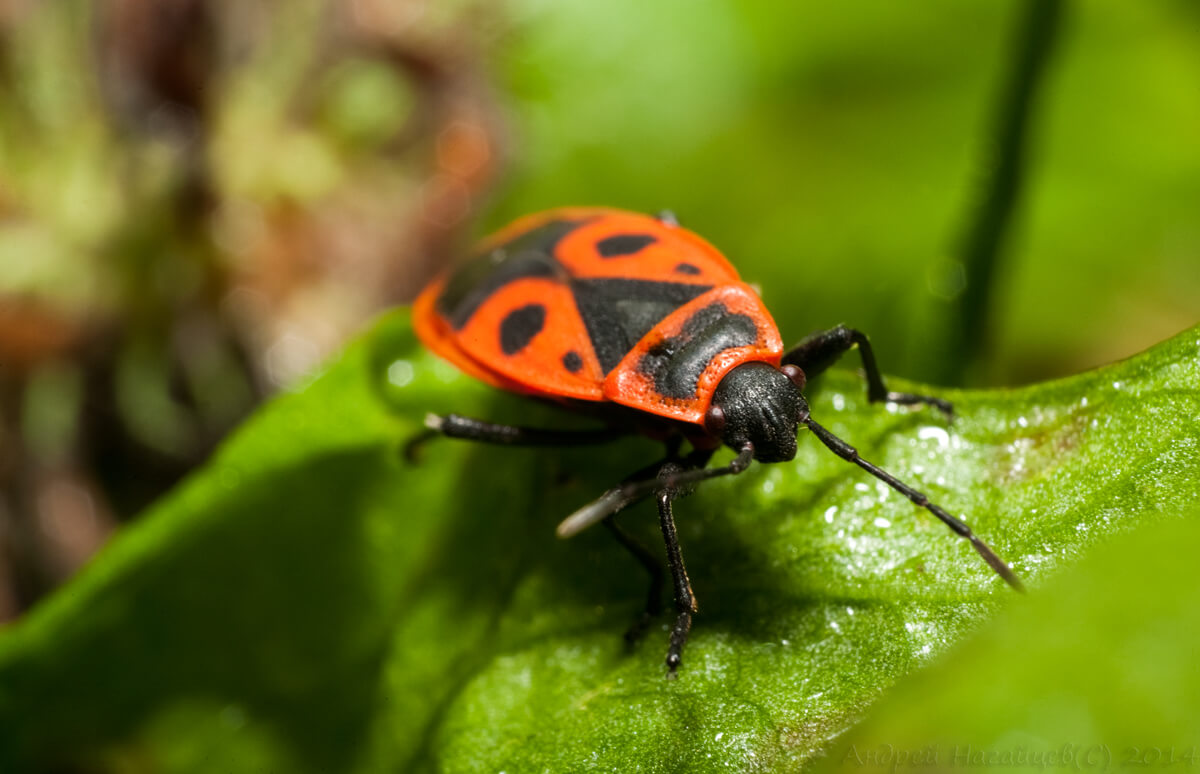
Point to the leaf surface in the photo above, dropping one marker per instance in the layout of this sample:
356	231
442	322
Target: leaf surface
309	601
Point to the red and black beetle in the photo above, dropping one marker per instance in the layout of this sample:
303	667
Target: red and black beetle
647	326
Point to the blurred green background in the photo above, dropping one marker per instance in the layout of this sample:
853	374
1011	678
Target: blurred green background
199	201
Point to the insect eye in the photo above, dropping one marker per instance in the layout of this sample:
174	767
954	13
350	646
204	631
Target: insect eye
714	420
796	375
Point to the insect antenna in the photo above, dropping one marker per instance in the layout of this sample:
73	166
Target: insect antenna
627	493
850	454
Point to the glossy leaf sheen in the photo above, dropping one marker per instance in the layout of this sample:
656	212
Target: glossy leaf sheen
308	601
1110	684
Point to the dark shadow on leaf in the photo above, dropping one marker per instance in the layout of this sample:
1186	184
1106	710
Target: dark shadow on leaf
265	608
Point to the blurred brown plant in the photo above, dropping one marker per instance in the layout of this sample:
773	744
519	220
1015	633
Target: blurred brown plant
199	200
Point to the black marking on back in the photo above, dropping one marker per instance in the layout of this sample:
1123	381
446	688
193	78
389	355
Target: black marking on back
529	255
519	327
572	361
619	312
687	268
677	364
624	244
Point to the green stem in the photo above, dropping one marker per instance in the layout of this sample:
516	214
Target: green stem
968	332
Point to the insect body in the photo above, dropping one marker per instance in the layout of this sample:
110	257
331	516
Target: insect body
646	326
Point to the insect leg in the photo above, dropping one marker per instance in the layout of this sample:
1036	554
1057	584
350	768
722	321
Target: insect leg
685	599
652	475
455	426
604	509
672	477
850	454
820	350
635	488
653	567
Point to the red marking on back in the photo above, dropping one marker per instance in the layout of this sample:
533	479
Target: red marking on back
538	367
629	385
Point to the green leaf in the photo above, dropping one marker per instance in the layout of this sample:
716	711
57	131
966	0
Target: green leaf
311	602
1099	673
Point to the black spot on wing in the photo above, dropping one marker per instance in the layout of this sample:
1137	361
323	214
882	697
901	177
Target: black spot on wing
687	268
619	312
677	363
572	361
519	327
624	244
529	255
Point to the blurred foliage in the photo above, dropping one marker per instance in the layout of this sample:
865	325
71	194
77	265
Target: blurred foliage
199	201
310	602
835	155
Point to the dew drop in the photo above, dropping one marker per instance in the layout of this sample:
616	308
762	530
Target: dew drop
938	434
400	373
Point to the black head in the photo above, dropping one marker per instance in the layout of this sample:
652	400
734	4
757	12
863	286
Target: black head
759	403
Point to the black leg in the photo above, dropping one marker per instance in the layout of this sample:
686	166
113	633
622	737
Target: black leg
672	482
821	350
685	600
653	568
850	454
670	479
605	509
643	555
636	488
455	426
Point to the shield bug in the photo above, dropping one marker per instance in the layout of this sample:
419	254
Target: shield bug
647	327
